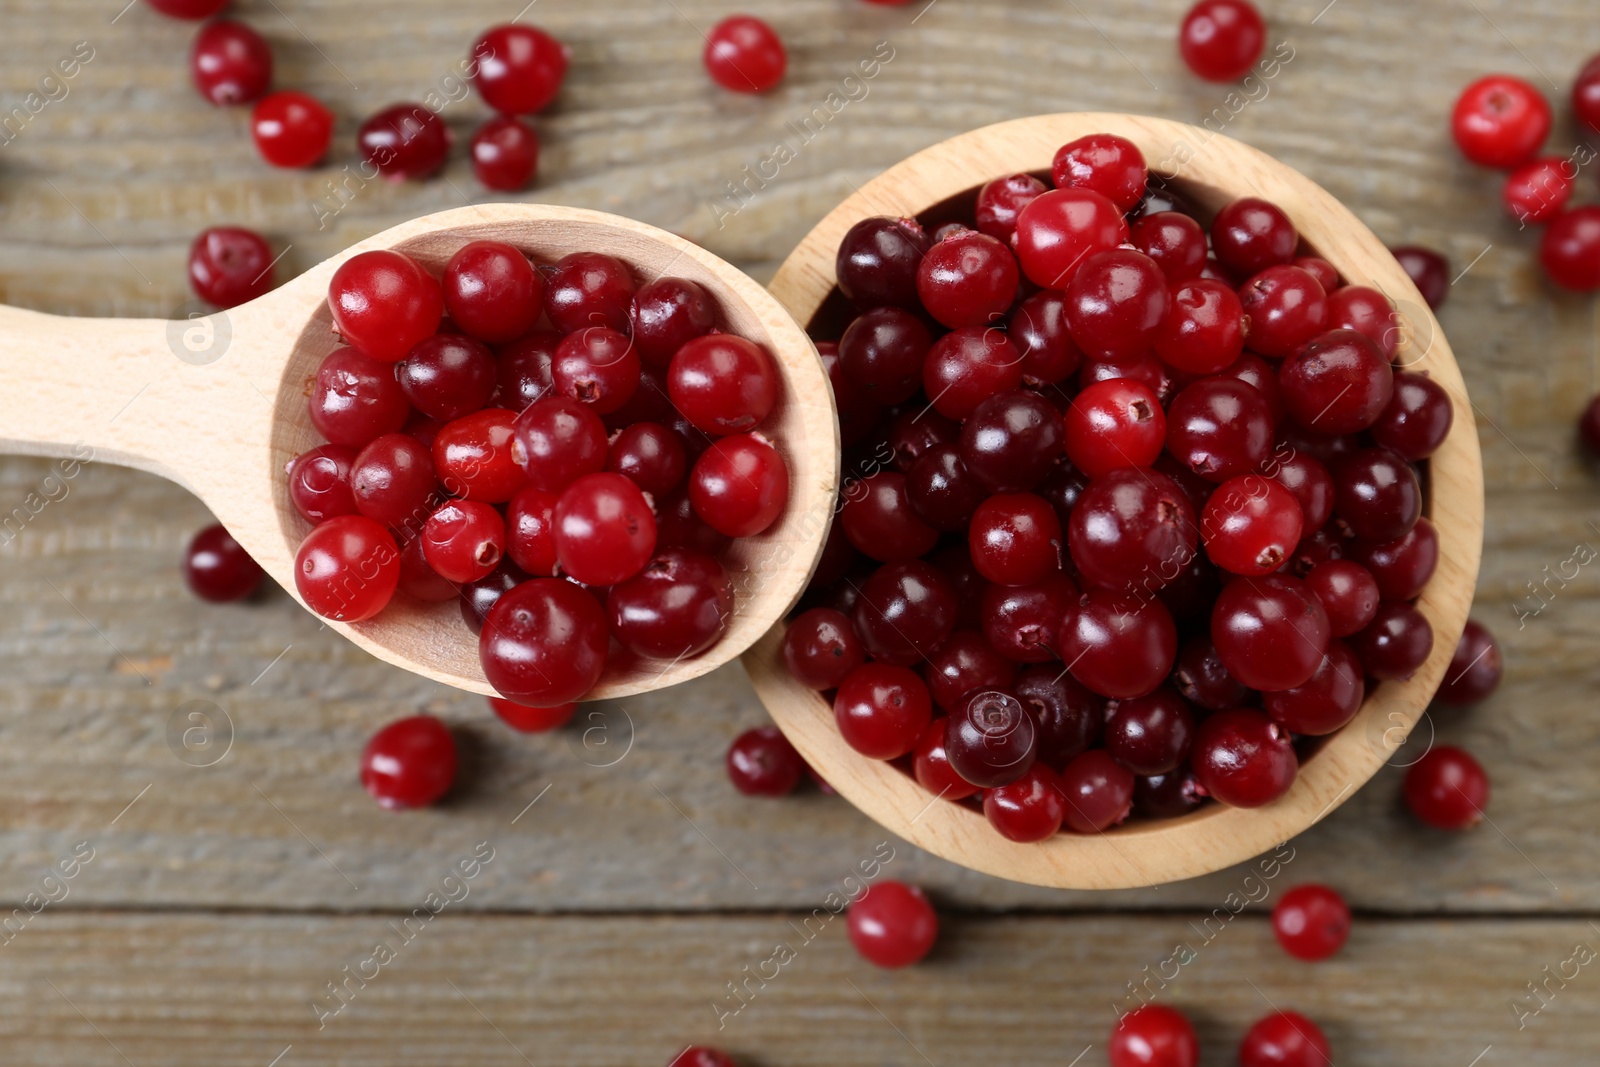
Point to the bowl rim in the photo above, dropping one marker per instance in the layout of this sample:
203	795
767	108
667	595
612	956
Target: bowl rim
1216	169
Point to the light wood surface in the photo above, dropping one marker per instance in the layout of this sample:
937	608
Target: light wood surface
226	910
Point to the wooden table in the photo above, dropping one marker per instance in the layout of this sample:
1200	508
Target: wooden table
629	885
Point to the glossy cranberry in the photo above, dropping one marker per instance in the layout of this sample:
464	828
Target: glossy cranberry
1038	330
589	289
940	489
678	526
878	518
1328	543
820	648
913	432
1323	271
530	531
1066	715
319	483
492	292
1132	530
392	481
963	665
1285	1039
1256	372
877	262
1474	672
505	154
1001	201
905	611
667	314
893	925
347	569
188	9
605	531
1028	809
931	766
1097	791
230	62
1174	242
596	366
1219	428
1377	495
1535	192
217	568
882	710
1243	759
522	369
383	303
475	458
702	1056
1347	592
1114	423
1500	121
1429	272
464	540
1150	735
1250	235
1368	312
1312	922
651	456
1011	441
1205	331
544	642
1153	1035
447	376
1167	796
291	129
1015	539
355	399
229	265
1307	480
723	383
1116	304
1395	643
410	763
1417	418
1270	632
479	598
1118	646
1250	525
1109	165
1023	622
1062	228
1338	383
556	441
1570	251
404	142
1202	679
762	763
528	720
882	352
966	367
1221	40
745	55
991	740
678	606
1326	701
1286	307
517	69
968	279
1447	789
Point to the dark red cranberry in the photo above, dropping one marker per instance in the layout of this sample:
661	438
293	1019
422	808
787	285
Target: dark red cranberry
1429	272
967	279
1150	734
492	292
544	642
1114	423
878	260
745	55
1250	235
383	303
476	458
1286	307
1174	241
596	366
188	9
404	141
1221	40
941	490
1243	758
1326	701
1132	530
1312	922
479	598
1251	525
1028	809
1062	228
1147	370
1066	714
878	518
905	611
522	369
1368	312
882	710
447	376
1376	495
967	366
1038	330
1220	428
1098	792
1474	672
1307	480
1204	333
1015	539
355	399
1011	441
1263	376
1202	679
1118	646
762	763
678	606
589	289
556	441
913	432
820	648
517	69
1002	200
1338	383
1270	632
964	664
1348	593
1395	643
1500	121
410	763
1417	418
1401	567
605	529
231	63
667	314
505	154
893	925
678	526
1570	250
1116	304
1285	1039
1023	622
651	456
992	740
229	265
218	568
1322	271
530	531
392	481
1447	789
931	766
722	383
881	354
291	129
1167	796
702	1056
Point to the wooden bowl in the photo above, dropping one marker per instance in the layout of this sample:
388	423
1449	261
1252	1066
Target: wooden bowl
1210	170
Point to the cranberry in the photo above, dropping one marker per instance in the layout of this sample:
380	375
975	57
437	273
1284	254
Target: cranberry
1118	647
1307	480
1321	270
1174	241
1015	539
1286	307
1203	680
893	925
447	376
1221	40
913	433
1204	333
528	720
319	483
589	289
963	665
882	710
678	606
881	354
1243	759
905	611
557	441
475	458
291	129
517	69
544	642
479	598
464	540
1337	383
1251	524
522	369
229	265
1011	441
878	518
701	1056
651	456
230	62
1402	567
1586	94
1535	192
1377	495
1151	734
941	490
1167	796
1395	643
1038	331
1474	672
347	569
1251	235
505	154
420	581
992	740
383	303
1270	632
492	292
1368	312
1153	1035
1028	809
1219	428
1263	376
530	531
820	648
1312	922
1133	530
1417	418
596	366
1114	423
1326	701
931	766
667	314
967	279
410	763
762	763
1447	789
722	383
1428	270
678	526
1285	1039
188	9
1570	250
1002	200
217	567
1500	121
404	141
1347	592
1098	792
968	365
605	531
392	481
1066	714
1062	228
1105	163
878	260
1023	622
1116	304
745	55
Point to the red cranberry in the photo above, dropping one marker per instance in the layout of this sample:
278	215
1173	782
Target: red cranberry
1105	163
522	369
1015	539
1250	235
905	611
410	763
1174	241
1151	734
1219	428
1428	270
230	62
913	433
1028	809
723	383
1570	250
218	568
701	1056
589	289
479	598
820	648
678	606
1116	304
1500	121
1402	567
347	569
667	314
1286	307
1376	495
530	531
1117	646
404	141
941	490
475	458
1251	524
524	719
878	518
745	55
1347	592
596	366
229	265
492	292
1002	200
1098	792
1153	1035
1417	418
1204	333
464	540
1011	441
1062	228
968	279
188	9
1535	192
1312	922
1337	383
1067	715
291	129
1447	789
1202	679
447	376
878	260
1263	377
1167	796
1132	530
1395	643
1586	94
1474	672
882	710
392	481
605	530
1368	312
991	741
517	69
931	766
1023	622
1114	423
1244	759
1270	632
1326	701
383	303
963	665
1038	331
1322	271
556	441
544	642
651	456
968	365
1285	1039
1221	40
1307	480
882	352
420	581
762	763
319	483
893	925
505	154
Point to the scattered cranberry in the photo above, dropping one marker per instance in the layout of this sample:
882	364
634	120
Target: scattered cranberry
188	9
291	129
505	154
529	720
745	55
1586	94
702	1056
229	266
1570	250
1153	1035
1221	40
217	568
1536	192
1474	671
1429	272
1285	1039
410	763
1500	121
1312	922
517	69
404	141
230	62
762	763
1447	789
893	925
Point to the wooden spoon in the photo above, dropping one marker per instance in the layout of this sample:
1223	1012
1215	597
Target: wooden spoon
218	405
1210	170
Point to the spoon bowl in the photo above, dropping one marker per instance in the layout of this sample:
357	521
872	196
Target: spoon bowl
1210	171
218	405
